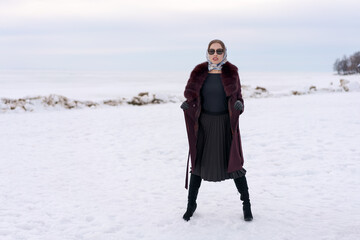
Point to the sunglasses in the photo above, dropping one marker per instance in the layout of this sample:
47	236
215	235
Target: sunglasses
219	51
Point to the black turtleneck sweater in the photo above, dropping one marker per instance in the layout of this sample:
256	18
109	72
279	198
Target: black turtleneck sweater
213	97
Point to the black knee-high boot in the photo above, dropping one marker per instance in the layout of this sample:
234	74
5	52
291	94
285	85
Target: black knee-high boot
195	182
241	185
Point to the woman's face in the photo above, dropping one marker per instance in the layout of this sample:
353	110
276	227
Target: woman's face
216	58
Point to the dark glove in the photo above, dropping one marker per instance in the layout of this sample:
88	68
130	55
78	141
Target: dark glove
184	105
239	106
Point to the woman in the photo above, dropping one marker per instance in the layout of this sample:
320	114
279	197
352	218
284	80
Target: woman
212	109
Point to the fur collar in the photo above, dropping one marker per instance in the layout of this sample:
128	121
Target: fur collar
229	76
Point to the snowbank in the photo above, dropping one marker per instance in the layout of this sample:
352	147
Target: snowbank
58	102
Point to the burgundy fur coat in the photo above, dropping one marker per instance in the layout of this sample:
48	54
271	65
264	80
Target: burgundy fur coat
231	83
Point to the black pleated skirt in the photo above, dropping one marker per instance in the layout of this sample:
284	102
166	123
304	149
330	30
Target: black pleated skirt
213	148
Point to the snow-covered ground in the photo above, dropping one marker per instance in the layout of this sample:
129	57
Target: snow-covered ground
118	173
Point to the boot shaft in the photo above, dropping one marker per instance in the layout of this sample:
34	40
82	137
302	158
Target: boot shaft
195	183
243	189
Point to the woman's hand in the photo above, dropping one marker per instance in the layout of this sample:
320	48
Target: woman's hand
239	106
184	105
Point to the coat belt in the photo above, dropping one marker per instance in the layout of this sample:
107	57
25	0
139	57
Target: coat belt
187	171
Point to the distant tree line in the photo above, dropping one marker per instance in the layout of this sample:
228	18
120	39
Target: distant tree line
348	65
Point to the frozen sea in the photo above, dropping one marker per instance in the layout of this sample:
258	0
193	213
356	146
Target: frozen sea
119	172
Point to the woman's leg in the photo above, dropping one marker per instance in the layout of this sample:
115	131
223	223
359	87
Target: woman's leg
241	185
195	182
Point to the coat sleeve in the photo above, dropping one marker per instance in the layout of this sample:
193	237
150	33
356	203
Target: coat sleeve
189	92
239	95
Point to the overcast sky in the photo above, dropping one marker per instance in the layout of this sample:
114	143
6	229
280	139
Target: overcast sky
261	35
